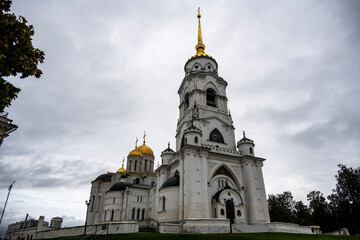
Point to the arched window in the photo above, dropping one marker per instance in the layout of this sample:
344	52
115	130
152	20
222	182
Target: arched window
163	203
133	214
112	215
138	214
238	213
135	166
92	203
98	206
186	101
143	214
196	140
145	164
215	136
251	150
211	98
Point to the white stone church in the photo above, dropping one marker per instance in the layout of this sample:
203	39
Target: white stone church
208	181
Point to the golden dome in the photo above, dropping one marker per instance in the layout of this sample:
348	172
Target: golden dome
145	149
135	152
121	170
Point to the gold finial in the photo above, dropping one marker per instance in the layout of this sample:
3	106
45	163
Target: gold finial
144	136
244	133
123	161
169	144
200	47
136	142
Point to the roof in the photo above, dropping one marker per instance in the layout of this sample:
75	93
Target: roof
173	181
104	177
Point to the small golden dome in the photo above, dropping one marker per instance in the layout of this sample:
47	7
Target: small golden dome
135	152
145	149
121	170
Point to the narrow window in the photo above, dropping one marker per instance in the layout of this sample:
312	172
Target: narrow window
138	214
137	198
141	198
215	136
163	204
137	181
133	214
186	101
92	203
140	164
251	150
219	183
196	139
143	214
112	215
98	206
145	164
135	166
211	98
113	200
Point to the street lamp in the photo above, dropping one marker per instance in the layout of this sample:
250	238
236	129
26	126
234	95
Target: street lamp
87	209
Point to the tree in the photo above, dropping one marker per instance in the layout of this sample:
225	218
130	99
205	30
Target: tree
345	199
281	207
17	54
301	214
320	211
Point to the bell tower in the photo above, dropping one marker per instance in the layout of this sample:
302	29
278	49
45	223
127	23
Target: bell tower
203	101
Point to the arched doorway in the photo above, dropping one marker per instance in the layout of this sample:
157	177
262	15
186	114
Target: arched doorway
230	210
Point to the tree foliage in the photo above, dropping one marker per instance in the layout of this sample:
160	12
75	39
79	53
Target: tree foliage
341	209
17	54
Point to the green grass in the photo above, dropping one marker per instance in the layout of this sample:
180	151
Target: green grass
241	236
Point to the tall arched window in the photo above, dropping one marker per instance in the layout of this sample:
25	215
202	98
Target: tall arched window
135	166
215	136
163	203
138	214
98	206
92	203
196	140
251	150
143	214
210	97
186	101
112	215
133	214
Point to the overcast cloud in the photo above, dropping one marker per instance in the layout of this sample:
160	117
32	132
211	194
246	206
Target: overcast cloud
113	68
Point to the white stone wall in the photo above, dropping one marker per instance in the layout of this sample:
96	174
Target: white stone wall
171	212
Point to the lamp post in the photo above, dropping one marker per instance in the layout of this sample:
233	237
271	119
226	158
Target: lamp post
10	187
87	209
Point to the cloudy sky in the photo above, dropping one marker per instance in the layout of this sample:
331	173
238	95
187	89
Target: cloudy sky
113	68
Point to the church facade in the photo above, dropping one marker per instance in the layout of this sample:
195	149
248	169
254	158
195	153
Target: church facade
207	181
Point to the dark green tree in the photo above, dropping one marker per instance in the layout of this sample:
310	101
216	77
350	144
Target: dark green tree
344	202
17	54
301	214
320	211
281	207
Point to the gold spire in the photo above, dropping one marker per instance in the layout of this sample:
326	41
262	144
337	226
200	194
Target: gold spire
144	136
136	142
200	47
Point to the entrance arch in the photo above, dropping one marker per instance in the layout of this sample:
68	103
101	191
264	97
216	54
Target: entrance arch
230	210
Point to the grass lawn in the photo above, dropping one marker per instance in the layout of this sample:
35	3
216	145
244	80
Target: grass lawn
241	236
